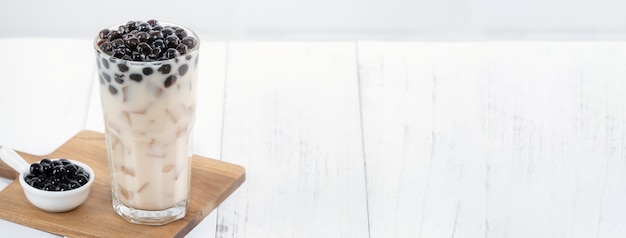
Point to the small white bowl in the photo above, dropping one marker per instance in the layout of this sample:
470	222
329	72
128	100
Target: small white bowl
57	201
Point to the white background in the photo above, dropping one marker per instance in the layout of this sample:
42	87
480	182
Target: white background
329	19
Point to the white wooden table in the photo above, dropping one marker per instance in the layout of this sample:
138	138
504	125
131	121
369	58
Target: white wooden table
374	139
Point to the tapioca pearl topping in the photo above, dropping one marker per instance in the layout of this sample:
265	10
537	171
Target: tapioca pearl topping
135	77
180	32
104	33
165	69
153	22
143	36
118	43
105	46
158	44
155	35
182	49
167	31
169	81
144	48
147	71
137	57
122	67
164	42
170	54
143	26
189	41
172	41
182	70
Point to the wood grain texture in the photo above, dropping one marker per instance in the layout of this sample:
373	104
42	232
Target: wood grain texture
420	127
498	139
291	113
212	182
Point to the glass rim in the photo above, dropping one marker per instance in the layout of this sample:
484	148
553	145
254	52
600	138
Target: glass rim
191	51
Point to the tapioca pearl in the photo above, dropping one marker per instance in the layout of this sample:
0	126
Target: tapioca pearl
143	26
189	41
101	80
143	36
165	69
172	41
181	33
106	77
155	53
136	56
182	70
117	43
156	35
119	78
122	67
188	57
169	81
122	29
112	90
182	49
132	42
196	63
105	46
170	53
144	48
153	22
158	43
119	53
135	77
105	63
147	71
131	25
98	63
167	31
114	35
104	33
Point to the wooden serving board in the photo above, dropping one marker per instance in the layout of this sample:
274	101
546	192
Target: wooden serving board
212	181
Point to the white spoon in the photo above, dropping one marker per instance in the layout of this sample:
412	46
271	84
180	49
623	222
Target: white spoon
14	160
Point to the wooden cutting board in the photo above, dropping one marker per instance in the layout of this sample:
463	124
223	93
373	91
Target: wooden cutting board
212	182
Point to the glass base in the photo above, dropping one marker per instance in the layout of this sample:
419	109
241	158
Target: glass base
154	218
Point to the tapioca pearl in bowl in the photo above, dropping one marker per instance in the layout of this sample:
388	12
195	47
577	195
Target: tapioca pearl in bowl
57	185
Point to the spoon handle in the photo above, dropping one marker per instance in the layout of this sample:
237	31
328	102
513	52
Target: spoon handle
14	160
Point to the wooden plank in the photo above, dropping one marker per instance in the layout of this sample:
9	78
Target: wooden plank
497	139
212	182
292	119
396	83
556	114
425	174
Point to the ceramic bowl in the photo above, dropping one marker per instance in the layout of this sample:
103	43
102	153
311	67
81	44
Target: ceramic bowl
57	201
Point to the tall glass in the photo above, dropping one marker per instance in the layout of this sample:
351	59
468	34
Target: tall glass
149	113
